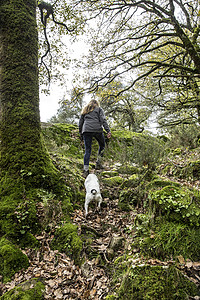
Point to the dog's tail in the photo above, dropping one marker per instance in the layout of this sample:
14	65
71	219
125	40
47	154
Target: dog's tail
93	191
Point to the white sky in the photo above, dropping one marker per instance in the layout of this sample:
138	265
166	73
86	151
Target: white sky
49	104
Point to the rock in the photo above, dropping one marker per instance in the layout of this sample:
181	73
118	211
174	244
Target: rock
86	269
116	242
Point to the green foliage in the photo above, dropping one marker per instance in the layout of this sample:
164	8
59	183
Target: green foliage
177	204
190	171
141	149
29	290
26	217
18	217
168	239
70	109
11	259
184	136
182	163
147	150
122	109
66	240
147	282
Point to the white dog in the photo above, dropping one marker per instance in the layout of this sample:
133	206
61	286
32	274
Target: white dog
92	191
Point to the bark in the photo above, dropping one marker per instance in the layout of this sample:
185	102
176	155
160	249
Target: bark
25	164
21	144
20	123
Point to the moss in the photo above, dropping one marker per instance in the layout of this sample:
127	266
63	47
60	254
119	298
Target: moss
64	137
27	240
160	183
147	282
128	169
132	181
21	210
29	290
20	198
11	259
66	240
109	173
113	181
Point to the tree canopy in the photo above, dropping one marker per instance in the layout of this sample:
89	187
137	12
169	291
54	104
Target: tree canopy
151	44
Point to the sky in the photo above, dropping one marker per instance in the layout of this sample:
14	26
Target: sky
49	104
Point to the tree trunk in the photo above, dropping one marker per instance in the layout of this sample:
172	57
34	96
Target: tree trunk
20	124
25	164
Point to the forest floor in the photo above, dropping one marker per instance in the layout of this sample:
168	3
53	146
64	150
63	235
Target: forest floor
65	280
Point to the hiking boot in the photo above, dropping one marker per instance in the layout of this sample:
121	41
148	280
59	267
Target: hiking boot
98	166
85	173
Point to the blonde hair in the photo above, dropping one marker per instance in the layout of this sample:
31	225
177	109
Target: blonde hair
90	107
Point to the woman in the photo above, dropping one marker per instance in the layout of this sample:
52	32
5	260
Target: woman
91	124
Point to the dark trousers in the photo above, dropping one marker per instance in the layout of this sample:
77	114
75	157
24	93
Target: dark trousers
87	137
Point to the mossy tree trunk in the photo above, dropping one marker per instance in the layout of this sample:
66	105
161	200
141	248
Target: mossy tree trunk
20	124
25	164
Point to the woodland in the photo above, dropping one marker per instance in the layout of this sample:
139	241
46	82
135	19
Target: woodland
143	64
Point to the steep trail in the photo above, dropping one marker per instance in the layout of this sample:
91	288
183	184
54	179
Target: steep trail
65	280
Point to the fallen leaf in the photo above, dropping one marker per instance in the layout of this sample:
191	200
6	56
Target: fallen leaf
181	259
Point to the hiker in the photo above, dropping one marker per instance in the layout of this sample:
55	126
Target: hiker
91	124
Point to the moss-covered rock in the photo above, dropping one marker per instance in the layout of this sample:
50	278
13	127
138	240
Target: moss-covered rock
177	204
154	282
66	240
190	170
159	182
11	259
109	173
126	168
33	289
113	181
132	181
